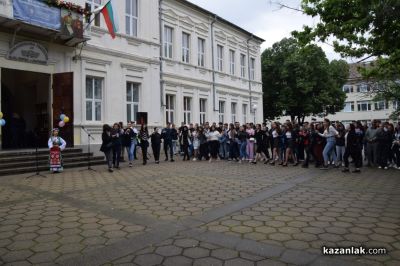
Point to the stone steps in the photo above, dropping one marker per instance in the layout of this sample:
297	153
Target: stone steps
25	161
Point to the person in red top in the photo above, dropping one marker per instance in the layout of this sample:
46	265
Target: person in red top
304	135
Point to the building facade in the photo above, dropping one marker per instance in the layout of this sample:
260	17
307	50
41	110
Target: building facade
160	63
359	104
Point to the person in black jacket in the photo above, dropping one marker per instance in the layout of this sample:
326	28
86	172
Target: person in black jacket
185	142
116	140
156	145
128	139
144	142
384	141
166	135
106	146
352	144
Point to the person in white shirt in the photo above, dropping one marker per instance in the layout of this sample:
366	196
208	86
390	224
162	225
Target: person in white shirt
329	134
213	141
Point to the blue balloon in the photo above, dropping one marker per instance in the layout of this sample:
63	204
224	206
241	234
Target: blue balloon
62	117
2	122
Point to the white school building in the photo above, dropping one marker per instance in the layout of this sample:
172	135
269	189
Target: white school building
171	59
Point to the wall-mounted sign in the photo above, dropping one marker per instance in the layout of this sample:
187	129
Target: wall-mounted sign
71	24
37	12
6	8
30	52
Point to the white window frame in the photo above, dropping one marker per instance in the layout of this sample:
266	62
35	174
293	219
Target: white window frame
203	110
201	51
233	111
244	112
381	105
395	104
221	111
363	88
185	47
93	100
187	110
347	88
168	42
362	103
170	108
220	58
232	62
252	68
131	17
132	103
349	107
93	5
243	65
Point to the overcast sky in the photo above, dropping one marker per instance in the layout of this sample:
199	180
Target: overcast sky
264	18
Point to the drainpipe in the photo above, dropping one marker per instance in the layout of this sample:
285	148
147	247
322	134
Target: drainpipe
213	62
248	72
161	54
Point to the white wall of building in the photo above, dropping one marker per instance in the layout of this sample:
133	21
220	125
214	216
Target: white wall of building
136	59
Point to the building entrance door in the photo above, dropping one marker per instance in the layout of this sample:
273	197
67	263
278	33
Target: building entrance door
63	99
25	98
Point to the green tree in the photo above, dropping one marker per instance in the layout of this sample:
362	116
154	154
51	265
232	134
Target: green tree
364	30
299	81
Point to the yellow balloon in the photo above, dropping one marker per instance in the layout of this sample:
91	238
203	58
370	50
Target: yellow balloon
1	115
66	119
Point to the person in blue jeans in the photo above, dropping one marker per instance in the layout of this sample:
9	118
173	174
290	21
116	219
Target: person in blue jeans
129	142
243	136
329	134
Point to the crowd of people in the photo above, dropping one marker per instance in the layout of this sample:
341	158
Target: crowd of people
325	144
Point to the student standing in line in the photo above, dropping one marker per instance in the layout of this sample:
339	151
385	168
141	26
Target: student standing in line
144	142
166	135
156	145
185	142
116	140
250	143
106	146
352	149
213	141
289	140
329	134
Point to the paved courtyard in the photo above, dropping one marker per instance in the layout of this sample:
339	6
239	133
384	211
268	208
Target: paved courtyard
196	213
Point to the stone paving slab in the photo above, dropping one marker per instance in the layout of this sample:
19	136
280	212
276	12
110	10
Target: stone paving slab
188	251
43	231
307	217
140	216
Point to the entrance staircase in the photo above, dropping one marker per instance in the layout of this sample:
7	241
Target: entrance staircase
19	162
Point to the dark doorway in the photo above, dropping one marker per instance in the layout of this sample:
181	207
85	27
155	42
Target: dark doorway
25	98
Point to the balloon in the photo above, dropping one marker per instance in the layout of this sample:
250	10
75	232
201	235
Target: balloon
61	124
1	115
2	122
66	119
62	116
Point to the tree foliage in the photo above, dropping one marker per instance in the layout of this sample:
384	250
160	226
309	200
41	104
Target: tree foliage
360	29
299	81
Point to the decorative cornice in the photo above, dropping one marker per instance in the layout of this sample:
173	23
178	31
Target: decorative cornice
96	61
174	76
120	54
99	32
132	67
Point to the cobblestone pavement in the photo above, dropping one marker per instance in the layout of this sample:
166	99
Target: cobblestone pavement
196	213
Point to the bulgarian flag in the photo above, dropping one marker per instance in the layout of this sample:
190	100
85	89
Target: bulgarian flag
110	16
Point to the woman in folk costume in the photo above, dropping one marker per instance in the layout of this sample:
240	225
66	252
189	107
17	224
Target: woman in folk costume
56	145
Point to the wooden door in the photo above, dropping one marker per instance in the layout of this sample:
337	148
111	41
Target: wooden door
63	103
